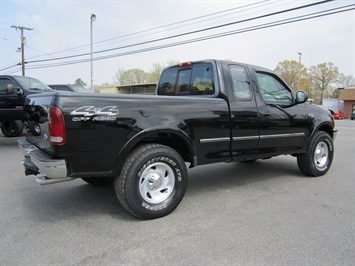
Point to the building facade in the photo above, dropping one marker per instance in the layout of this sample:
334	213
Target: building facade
348	96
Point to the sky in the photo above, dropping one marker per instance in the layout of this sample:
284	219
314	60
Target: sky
136	34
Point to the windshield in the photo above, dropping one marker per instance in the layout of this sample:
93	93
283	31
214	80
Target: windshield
32	84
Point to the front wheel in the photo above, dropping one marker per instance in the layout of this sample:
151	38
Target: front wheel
152	182
12	128
319	157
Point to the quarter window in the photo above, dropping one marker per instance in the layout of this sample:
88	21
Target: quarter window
240	83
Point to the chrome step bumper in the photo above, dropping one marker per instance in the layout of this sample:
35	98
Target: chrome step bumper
37	161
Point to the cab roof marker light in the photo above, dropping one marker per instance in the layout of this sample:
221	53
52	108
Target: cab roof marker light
189	63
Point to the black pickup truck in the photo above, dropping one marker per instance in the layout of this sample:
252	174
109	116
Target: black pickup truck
203	112
13	91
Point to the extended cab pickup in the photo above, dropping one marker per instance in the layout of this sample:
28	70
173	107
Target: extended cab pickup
203	112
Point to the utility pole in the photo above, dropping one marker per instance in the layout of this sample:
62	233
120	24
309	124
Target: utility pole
92	19
299	70
23	41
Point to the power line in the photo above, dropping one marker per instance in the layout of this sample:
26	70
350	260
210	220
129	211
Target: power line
188	33
214	36
164	26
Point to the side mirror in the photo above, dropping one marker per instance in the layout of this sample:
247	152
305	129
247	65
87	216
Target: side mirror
301	97
11	90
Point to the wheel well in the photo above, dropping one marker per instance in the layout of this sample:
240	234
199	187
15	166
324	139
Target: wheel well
171	140
328	129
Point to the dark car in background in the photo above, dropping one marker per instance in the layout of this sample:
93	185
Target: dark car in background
68	87
353	115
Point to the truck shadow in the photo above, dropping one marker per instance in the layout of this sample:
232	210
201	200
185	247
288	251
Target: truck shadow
77	200
73	200
228	175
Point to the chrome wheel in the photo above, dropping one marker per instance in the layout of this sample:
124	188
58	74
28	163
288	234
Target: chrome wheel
157	182
152	182
321	156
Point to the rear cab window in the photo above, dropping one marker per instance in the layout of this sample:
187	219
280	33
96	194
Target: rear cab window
190	79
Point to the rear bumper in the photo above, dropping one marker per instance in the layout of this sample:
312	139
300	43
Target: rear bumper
37	161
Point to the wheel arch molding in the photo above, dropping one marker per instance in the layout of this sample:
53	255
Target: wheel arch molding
173	138
326	127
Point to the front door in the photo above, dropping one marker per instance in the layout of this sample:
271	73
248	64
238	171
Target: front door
283	125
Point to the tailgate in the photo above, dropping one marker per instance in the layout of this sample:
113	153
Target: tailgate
37	108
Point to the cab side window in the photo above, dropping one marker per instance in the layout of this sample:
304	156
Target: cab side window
240	83
272	90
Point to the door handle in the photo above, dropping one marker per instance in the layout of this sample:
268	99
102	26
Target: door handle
265	114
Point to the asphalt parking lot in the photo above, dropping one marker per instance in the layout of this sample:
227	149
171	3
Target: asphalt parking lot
260	213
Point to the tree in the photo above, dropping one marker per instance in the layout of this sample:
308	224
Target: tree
155	72
79	81
139	76
132	76
106	84
172	62
322	75
345	81
294	73
336	93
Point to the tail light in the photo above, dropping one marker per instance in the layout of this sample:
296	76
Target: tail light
57	132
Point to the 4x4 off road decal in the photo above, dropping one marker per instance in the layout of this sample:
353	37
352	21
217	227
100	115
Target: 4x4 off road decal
93	113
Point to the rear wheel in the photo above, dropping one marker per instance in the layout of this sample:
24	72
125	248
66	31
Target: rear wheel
12	128
152	182
319	157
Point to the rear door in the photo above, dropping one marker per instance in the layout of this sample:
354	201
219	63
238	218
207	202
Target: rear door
244	113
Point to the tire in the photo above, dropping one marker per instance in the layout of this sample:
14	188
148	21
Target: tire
152	182
34	128
319	157
99	181
12	128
